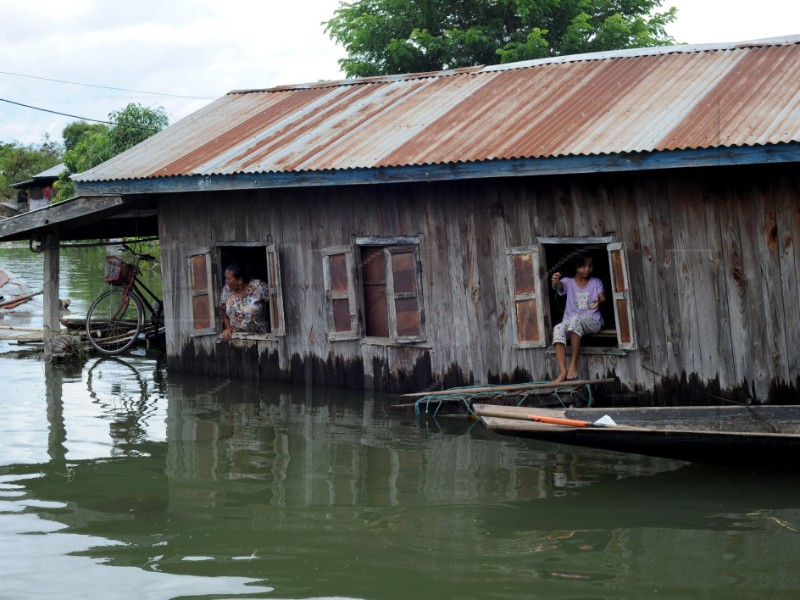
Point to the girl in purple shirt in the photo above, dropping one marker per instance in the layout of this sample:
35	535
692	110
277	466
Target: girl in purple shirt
582	316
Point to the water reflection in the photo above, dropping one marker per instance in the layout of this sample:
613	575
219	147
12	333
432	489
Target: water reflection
138	485
317	490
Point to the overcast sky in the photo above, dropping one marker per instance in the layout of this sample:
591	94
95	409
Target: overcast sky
193	51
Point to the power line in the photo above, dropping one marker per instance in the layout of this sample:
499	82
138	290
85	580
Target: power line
105	87
55	112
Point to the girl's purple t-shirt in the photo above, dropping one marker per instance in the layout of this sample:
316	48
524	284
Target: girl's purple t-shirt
580	298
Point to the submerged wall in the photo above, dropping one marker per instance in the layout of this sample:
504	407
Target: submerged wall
712	263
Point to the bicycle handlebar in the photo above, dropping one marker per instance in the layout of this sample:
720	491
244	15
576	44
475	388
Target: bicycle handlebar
138	256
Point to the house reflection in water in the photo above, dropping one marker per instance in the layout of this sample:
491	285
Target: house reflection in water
339	448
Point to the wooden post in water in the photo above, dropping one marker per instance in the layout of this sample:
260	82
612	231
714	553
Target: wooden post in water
50	304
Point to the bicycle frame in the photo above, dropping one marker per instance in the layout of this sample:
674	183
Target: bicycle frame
112	327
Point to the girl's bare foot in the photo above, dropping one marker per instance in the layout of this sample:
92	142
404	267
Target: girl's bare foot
561	377
573	373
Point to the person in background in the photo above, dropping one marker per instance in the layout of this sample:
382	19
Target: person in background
582	316
244	302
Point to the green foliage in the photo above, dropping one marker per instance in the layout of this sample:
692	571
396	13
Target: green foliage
134	124
18	163
384	37
88	145
73	132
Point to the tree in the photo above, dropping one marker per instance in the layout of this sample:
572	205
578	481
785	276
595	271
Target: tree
18	162
134	124
73	132
385	37
88	145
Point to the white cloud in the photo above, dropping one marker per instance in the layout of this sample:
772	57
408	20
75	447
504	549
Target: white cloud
208	47
199	48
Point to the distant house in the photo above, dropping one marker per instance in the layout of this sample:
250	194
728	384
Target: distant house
407	225
37	192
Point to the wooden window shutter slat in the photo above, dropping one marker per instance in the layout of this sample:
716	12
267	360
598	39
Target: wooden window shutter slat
404	290
525	290
620	295
276	314
339	279
202	294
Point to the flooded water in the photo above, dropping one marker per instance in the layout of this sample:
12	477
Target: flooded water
118	481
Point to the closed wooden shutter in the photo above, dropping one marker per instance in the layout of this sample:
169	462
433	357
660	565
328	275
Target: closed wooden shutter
276	315
525	287
620	295
202	294
404	294
338	274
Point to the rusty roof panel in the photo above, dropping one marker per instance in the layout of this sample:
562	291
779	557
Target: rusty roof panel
648	100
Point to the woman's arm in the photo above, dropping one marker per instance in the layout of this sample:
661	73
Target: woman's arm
227	330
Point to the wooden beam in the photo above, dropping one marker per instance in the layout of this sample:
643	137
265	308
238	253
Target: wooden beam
51	307
80	209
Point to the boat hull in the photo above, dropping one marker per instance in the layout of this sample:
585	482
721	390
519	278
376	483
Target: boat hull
766	436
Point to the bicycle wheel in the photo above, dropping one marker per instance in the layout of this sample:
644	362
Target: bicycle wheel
114	321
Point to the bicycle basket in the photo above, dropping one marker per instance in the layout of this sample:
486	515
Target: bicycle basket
118	272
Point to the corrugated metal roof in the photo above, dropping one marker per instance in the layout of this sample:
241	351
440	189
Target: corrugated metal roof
647	100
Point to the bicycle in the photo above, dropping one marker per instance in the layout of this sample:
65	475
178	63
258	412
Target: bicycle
116	318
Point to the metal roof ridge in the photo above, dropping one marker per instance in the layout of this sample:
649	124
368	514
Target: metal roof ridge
587	56
648	51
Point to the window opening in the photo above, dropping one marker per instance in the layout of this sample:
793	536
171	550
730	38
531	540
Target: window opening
263	261
560	257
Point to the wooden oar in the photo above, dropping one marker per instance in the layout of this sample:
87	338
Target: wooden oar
604	422
559	421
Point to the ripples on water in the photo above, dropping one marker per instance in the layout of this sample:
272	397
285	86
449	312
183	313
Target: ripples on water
117	481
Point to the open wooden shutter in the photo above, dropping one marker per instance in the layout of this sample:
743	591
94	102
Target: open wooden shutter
525	287
620	295
276	318
404	294
339	277
201	286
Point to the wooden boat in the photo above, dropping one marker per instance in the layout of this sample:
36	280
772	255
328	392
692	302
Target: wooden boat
459	401
13	290
763	435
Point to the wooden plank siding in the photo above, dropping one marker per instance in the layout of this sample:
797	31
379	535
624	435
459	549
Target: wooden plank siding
712	264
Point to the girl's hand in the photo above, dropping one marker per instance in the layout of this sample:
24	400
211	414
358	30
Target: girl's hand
226	334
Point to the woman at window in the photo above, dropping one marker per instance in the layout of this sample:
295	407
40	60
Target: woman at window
244	302
582	316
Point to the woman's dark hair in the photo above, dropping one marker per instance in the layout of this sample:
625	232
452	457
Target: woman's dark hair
243	273
581	259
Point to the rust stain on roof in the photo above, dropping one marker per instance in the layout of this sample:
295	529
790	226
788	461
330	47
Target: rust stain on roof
644	100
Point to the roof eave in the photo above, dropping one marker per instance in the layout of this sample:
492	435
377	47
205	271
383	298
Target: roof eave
562	165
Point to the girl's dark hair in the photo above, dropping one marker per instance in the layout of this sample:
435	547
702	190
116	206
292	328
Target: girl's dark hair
243	273
581	259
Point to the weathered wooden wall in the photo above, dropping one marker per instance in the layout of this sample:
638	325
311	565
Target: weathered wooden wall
711	252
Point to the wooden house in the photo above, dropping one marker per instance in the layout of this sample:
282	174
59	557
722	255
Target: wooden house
406	226
38	190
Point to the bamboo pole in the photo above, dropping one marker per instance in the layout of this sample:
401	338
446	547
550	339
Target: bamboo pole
510	387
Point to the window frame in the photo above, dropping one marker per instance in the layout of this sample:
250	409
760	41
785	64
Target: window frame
334	293
277	315
619	295
195	292
533	297
354	293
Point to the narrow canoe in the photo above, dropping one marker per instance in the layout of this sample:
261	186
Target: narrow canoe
730	435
